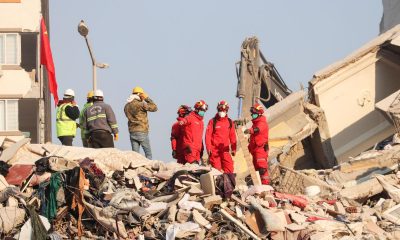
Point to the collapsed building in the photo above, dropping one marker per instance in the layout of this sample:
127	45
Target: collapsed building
334	162
342	114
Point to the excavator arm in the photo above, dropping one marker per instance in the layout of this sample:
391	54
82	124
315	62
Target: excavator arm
258	79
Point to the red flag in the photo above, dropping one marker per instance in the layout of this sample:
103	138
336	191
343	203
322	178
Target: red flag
46	59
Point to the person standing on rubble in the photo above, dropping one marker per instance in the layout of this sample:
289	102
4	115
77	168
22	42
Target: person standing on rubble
177	135
193	127
136	108
67	113
258	145
221	139
89	102
100	123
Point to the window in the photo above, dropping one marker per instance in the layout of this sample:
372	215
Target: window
8	115
9	48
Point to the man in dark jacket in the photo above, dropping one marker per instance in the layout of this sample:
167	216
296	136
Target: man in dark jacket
100	123
136	108
67	113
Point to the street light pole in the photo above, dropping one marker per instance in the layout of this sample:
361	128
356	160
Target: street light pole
93	64
83	31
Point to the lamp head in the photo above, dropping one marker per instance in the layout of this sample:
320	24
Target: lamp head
102	65
83	29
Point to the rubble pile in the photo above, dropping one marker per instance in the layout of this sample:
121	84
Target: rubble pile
58	192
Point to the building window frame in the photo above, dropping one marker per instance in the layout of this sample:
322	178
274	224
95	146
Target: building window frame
5	117
18	49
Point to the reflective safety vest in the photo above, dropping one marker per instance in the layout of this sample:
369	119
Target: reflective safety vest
65	125
82	119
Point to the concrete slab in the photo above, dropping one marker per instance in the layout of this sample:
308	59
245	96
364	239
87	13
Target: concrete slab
207	183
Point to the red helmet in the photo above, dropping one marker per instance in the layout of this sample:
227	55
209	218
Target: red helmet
223	106
201	105
257	108
183	110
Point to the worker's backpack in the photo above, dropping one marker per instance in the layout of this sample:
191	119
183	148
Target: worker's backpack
215	123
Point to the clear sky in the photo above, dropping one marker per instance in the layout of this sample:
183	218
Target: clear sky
181	51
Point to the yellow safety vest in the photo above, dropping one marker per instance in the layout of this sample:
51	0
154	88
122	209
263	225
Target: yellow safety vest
65	125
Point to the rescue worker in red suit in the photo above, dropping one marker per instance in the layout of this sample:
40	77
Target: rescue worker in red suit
258	145
193	127
177	135
221	139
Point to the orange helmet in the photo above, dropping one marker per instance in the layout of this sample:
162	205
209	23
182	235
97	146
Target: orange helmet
223	106
183	110
257	108
201	105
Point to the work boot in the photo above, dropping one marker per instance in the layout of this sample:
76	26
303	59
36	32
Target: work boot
265	180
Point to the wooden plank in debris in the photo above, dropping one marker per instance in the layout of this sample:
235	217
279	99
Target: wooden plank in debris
247	156
240	225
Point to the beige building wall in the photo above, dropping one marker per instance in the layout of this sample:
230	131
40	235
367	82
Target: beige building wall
348	98
23	17
22	81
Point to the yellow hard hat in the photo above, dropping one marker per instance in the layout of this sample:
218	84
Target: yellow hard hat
137	90
90	94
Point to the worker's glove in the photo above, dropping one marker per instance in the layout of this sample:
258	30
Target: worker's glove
144	96
266	147
174	154
239	122
233	153
188	149
116	137
78	125
247	131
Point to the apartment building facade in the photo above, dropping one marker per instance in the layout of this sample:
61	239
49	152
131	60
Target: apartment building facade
25	105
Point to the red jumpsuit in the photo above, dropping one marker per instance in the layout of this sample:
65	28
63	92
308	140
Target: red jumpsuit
177	141
220	135
193	127
257	147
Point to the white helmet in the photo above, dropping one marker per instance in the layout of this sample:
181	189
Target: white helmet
98	93
69	93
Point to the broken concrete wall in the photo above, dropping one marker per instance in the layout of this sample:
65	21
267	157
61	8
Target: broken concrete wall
348	90
289	126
